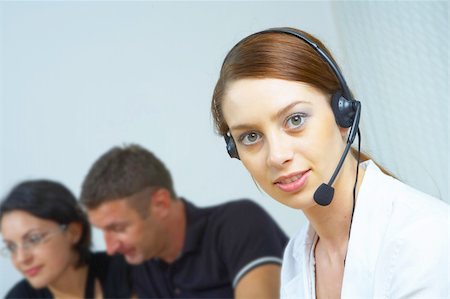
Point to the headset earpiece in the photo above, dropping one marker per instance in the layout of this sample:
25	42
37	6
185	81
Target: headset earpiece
344	110
231	146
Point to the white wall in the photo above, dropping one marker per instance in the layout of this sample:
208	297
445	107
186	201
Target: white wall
398	66
77	78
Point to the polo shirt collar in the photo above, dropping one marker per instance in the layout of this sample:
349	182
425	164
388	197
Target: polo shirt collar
195	226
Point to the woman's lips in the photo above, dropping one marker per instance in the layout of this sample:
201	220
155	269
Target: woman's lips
292	182
33	271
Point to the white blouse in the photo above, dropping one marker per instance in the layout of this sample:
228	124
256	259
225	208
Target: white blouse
398	247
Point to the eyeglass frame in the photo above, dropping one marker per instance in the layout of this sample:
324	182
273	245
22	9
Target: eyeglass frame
30	242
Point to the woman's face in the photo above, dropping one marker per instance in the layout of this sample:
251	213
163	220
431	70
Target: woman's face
286	136
40	249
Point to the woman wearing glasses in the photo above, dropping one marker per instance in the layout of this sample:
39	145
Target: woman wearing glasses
48	238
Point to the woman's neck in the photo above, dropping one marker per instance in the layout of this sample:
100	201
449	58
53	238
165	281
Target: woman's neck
71	284
332	223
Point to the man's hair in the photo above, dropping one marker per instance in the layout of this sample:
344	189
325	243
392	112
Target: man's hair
122	172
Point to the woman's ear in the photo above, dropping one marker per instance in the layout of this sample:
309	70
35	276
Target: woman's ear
75	230
344	133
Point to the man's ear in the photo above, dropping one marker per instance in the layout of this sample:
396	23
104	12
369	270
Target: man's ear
161	203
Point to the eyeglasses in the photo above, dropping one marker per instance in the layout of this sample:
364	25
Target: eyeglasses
30	242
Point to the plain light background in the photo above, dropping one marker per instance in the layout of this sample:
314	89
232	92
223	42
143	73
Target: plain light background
77	78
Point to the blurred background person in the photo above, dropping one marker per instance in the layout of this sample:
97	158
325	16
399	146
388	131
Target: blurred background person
48	238
231	250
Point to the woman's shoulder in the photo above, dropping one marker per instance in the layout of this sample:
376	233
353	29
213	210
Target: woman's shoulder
23	289
405	202
414	208
417	223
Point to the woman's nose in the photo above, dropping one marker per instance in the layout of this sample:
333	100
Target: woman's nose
22	255
279	149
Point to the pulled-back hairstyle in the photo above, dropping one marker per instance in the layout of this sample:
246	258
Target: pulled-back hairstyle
50	200
122	172
272	55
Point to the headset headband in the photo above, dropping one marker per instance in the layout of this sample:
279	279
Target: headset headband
344	88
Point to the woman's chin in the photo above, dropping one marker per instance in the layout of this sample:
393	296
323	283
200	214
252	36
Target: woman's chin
38	283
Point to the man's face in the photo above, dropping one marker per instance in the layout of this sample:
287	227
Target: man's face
136	235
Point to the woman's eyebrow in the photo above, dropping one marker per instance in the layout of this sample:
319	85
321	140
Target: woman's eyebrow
24	236
31	231
275	116
287	108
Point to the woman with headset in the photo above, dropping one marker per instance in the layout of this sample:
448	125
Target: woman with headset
285	111
48	238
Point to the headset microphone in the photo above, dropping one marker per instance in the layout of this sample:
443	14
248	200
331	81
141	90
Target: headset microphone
324	194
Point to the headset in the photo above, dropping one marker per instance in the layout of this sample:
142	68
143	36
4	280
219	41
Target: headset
346	110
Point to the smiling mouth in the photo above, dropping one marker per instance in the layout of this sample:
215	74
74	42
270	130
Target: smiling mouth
33	271
292	182
291	179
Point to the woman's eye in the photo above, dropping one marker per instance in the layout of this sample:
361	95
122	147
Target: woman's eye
249	138
35	239
295	121
11	247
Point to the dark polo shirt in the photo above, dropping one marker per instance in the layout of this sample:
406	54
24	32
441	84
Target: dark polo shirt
222	244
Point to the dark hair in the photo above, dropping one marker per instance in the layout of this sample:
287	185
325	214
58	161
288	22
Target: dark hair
51	201
123	172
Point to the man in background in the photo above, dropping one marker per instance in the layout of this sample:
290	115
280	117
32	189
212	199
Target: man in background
180	250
